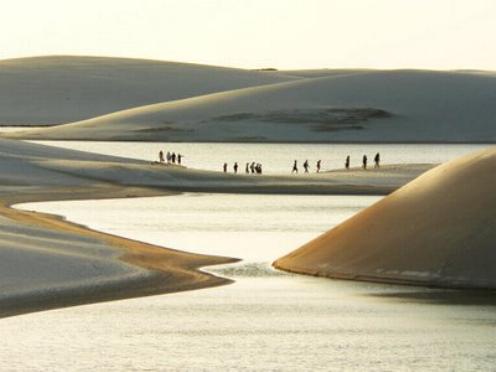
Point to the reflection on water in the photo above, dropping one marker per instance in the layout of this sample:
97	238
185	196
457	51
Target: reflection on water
266	320
276	158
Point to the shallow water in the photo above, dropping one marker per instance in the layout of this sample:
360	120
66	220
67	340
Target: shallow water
267	319
276	158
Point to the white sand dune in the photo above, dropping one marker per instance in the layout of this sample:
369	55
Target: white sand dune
46	262
402	106
439	230
61	89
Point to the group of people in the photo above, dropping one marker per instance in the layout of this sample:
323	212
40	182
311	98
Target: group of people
253	168
377	161
347	162
306	166
171	157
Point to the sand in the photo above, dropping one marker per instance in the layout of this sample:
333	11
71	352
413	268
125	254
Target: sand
438	230
61	89
318	106
46	262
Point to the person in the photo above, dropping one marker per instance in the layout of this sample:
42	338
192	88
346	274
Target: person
247	168
179	157
260	168
225	167
161	156
168	157
173	157
252	167
318	166
377	160
364	162
295	167
235	167
305	165
347	162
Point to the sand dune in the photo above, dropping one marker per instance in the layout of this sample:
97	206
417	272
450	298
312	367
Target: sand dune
46	262
438	230
60	89
403	106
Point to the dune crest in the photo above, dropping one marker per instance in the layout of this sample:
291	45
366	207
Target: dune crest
438	230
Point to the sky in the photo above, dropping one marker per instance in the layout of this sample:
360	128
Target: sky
284	34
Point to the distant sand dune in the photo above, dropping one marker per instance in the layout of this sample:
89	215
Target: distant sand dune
61	89
375	106
439	230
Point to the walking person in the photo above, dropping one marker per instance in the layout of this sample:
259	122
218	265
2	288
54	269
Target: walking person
347	162
235	167
364	162
161	156
305	165
295	167
247	168
377	160
179	157
173	157
252	167
318	166
225	167
168	157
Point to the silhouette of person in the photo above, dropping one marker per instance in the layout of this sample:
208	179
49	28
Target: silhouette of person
161	156
377	160
179	157
235	167
225	167
318	166
173	157
347	162
364	162
247	168
295	167
305	165
168	157
252	167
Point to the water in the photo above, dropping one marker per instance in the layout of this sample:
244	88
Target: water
276	158
266	320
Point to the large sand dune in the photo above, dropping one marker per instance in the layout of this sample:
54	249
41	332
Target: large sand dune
61	89
438	230
403	105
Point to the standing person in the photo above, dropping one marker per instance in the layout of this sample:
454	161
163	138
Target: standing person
377	160
347	162
318	166
305	165
235	167
295	167
252	167
168	157
179	157
364	162
260	168
247	168
173	157
161	156
225	167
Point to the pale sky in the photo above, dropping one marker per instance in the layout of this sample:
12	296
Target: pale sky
435	34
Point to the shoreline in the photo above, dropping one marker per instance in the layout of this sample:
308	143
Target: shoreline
171	270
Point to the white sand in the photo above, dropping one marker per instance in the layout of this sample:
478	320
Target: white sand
60	89
439	230
407	105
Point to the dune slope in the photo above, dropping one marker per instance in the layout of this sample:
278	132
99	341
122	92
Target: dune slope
375	106
60	89
439	230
